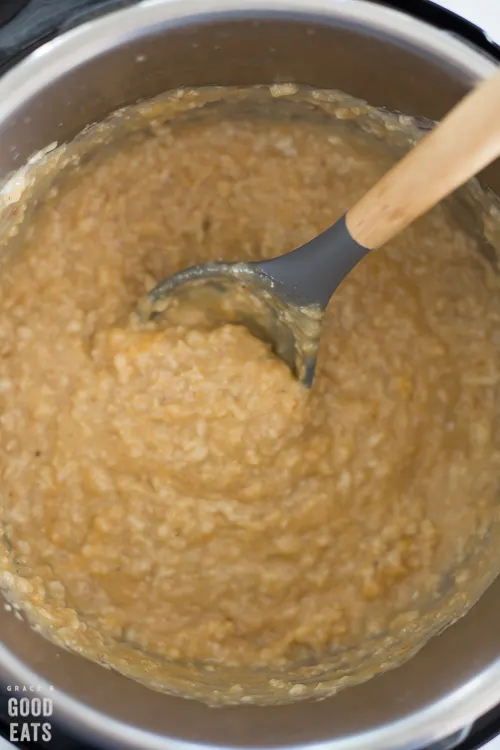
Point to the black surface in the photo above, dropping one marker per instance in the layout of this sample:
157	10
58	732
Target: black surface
37	21
24	25
484	730
9	9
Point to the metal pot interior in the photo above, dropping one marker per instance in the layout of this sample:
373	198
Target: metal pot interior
374	54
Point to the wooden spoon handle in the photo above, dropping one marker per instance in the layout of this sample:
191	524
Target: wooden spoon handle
467	140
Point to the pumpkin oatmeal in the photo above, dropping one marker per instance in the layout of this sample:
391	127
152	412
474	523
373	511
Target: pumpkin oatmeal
178	492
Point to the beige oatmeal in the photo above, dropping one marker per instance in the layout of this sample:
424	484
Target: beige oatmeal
179	491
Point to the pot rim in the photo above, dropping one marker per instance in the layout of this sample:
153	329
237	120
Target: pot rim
74	48
86	41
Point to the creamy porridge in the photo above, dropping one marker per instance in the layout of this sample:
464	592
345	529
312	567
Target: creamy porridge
178	491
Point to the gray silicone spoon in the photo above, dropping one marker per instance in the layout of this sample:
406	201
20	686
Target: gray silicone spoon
282	300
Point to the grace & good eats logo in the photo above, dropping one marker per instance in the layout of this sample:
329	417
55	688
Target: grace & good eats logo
29	711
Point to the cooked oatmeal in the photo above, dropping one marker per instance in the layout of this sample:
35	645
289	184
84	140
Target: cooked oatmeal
177	491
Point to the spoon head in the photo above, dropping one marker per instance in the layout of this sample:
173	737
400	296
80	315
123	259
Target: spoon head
205	297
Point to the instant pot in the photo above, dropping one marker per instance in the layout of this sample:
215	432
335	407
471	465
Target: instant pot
70	63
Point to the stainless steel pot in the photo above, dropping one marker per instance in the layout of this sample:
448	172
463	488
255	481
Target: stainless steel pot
374	53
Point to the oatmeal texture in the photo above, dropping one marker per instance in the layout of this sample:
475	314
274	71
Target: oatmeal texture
177	491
